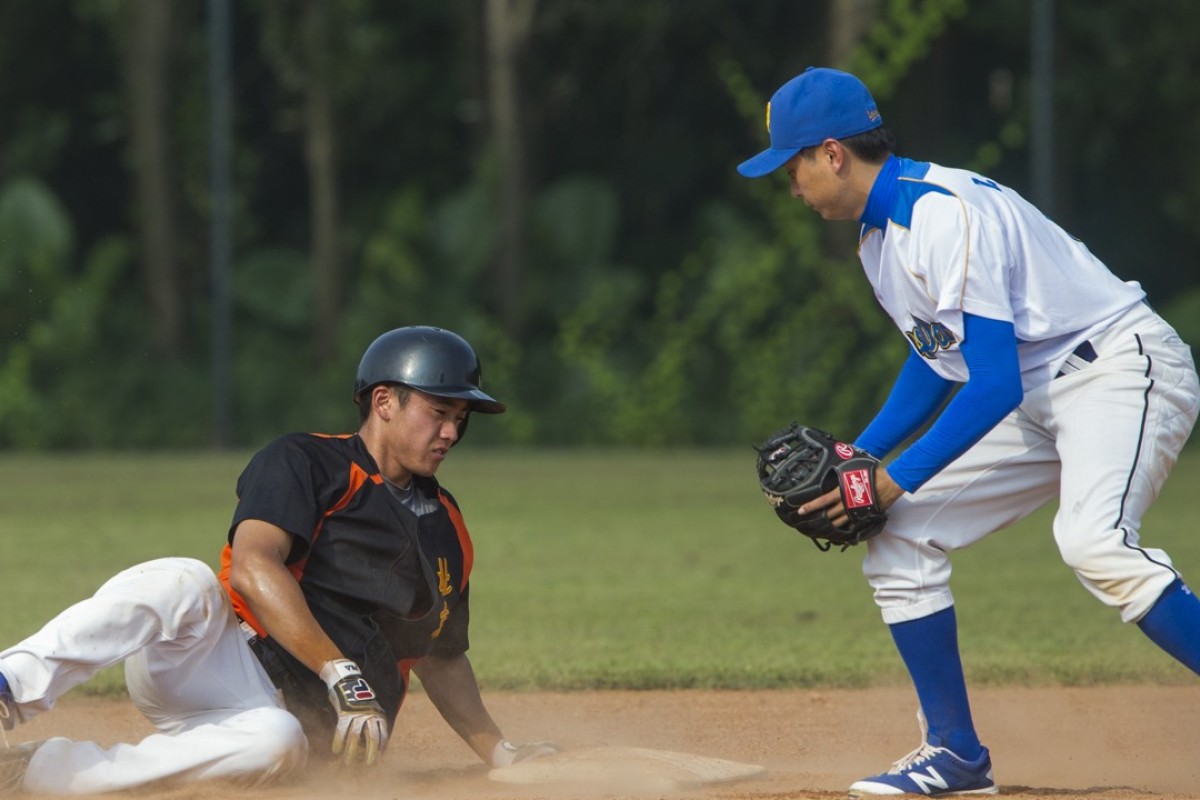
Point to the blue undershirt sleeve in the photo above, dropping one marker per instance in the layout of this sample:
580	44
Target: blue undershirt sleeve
993	389
917	393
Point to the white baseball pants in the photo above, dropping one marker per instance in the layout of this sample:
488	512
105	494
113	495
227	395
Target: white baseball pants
188	669
1102	439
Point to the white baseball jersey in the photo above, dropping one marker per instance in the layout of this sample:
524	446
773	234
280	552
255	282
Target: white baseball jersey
1100	435
958	242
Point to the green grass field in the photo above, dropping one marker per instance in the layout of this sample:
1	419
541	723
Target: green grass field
613	569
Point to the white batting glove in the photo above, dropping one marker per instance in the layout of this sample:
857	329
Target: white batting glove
362	728
506	752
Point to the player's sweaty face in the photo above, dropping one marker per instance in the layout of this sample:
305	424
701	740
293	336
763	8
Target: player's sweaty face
423	431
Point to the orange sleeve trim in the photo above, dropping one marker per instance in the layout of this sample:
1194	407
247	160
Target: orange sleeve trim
358	479
239	603
464	538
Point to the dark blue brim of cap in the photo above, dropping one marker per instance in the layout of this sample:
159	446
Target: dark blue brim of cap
766	162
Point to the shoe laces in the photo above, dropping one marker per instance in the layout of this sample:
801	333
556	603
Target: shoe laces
923	753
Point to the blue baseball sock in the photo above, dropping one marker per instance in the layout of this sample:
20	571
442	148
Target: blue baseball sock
929	647
1173	623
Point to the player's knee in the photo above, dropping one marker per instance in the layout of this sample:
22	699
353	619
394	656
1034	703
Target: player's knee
193	583
199	574
1084	554
166	582
274	745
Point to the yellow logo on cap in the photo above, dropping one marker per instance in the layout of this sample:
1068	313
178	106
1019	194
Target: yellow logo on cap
768	116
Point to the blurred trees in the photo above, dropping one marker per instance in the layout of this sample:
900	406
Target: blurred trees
142	31
553	180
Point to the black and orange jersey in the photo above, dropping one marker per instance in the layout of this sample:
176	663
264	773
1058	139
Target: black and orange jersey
389	587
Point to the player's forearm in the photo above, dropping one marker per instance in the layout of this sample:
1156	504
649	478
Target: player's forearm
275	599
451	686
915	396
993	390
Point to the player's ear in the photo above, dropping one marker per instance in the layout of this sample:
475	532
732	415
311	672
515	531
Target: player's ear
383	401
832	153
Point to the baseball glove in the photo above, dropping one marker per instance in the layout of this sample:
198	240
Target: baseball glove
798	464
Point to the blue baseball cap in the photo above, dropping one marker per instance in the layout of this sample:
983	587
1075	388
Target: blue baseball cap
816	105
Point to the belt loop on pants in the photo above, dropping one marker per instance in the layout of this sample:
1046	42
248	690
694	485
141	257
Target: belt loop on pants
1084	353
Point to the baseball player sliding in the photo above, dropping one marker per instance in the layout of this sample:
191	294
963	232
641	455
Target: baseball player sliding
347	567
1070	386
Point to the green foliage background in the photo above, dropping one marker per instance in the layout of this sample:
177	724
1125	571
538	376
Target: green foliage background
666	301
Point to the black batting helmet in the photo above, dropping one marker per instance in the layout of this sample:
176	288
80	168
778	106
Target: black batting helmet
432	360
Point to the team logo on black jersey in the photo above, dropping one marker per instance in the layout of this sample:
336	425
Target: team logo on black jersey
443	615
927	338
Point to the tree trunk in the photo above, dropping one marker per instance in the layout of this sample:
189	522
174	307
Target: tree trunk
145	48
848	22
507	29
321	156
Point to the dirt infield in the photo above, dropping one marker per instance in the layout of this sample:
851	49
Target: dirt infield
1114	743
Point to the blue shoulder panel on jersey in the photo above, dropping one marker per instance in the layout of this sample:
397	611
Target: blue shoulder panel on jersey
901	183
993	390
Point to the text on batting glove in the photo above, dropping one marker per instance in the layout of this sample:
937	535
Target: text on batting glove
506	752
362	728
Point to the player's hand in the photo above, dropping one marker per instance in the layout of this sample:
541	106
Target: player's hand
507	752
362	728
887	492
